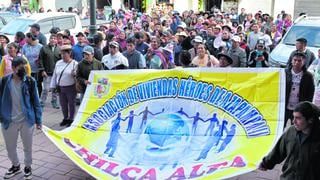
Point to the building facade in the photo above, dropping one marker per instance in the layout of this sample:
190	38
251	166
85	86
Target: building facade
272	7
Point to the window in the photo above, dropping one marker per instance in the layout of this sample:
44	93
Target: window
17	25
45	26
312	34
163	1
65	23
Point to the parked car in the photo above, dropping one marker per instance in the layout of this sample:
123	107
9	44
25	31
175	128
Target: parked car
304	27
86	22
46	21
6	17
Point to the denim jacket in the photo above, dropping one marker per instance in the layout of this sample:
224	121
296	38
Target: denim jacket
31	110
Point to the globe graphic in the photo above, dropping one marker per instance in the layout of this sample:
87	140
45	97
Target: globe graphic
166	130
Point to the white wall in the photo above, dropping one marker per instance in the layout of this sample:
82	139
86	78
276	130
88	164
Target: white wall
48	5
116	4
182	5
266	6
287	5
253	6
5	3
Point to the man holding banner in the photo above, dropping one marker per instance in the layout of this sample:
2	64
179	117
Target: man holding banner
299	145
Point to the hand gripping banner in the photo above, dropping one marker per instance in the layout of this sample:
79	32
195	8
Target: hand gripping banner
175	124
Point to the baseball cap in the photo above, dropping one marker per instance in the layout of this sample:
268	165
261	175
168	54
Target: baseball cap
260	42
88	50
80	34
35	25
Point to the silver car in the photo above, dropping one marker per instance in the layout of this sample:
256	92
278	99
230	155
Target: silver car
304	27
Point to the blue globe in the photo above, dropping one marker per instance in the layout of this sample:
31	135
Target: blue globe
166	130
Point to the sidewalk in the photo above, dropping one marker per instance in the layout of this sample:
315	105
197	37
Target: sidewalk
50	163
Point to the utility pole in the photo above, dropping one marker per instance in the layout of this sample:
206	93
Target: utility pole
92	28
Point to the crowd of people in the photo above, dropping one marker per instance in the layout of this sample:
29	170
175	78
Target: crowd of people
165	39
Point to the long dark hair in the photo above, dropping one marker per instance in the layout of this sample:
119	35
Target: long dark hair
310	112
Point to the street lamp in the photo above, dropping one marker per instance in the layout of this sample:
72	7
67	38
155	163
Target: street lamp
92	28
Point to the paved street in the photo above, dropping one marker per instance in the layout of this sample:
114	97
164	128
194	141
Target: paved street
50	163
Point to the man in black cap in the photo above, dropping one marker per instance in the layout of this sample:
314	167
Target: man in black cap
301	46
35	30
77	49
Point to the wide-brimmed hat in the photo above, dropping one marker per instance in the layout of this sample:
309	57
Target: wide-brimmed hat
169	48
182	33
197	39
236	38
114	43
182	25
229	59
65	47
226	27
6	37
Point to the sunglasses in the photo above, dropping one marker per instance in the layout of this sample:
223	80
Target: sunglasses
113	47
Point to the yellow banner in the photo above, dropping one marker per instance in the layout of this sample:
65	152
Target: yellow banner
175	124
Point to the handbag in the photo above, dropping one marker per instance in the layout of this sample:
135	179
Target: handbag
78	84
79	87
58	88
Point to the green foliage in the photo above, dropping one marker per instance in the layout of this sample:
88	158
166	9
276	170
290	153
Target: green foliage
200	5
144	5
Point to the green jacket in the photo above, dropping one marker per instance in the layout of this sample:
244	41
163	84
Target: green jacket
48	58
302	160
83	71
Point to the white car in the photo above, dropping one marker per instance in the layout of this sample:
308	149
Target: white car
304	27
46	21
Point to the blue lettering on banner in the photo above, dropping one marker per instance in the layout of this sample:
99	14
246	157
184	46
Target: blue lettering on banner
186	88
